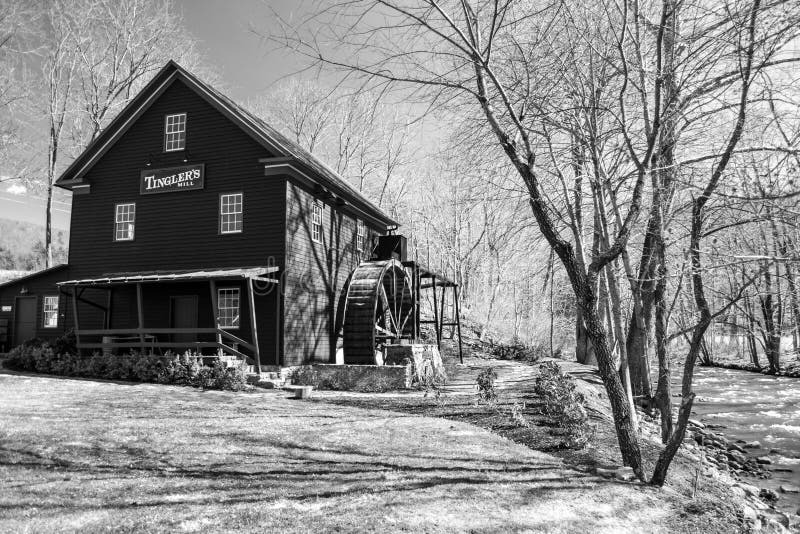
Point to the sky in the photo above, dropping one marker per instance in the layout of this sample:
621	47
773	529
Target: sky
228	30
225	30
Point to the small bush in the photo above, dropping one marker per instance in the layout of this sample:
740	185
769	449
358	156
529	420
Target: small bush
485	384
66	344
518	351
180	369
517	414
562	403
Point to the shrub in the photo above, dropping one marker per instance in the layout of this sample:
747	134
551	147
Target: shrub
66	344
485	385
20	359
517	414
518	351
562	403
182	369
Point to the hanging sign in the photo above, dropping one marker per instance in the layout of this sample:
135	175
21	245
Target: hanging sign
172	179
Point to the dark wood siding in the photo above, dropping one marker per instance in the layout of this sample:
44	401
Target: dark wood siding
38	287
179	230
176	230
315	275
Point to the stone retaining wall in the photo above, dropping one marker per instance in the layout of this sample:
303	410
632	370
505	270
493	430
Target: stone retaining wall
354	377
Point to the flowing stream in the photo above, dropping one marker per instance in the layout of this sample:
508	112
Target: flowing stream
754	407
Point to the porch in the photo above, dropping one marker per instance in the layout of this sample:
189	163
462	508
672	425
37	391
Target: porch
171	303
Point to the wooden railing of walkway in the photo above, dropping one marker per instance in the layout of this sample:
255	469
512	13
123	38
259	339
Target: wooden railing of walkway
146	338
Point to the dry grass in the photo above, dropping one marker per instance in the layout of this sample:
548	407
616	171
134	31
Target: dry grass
91	456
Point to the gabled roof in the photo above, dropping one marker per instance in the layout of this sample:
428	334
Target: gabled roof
36	274
263	133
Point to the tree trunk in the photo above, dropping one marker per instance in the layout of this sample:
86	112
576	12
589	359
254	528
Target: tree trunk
584	351
627	434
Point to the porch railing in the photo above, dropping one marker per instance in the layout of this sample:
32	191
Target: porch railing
147	338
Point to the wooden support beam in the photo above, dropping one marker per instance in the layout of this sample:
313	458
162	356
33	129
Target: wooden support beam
417	302
109	302
253	325
458	325
75	314
278	331
441	314
140	314
436	316
215	308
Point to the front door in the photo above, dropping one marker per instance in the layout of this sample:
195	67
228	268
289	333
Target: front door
183	313
24	319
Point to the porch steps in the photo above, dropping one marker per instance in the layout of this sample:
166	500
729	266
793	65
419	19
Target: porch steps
272	376
269	380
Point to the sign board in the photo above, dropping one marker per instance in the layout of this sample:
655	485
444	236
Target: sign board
172	179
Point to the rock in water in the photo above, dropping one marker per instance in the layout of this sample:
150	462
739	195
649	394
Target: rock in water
768	495
695	423
752	445
788	488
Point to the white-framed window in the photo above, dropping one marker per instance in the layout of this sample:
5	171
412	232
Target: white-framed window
175	132
230	213
228	307
316	222
124	221
361	235
50	311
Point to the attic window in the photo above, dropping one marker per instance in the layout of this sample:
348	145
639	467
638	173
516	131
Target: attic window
175	132
316	222
361	235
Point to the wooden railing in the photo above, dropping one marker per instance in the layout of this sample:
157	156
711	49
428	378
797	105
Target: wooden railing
146	338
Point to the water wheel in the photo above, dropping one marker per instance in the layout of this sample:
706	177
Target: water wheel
378	310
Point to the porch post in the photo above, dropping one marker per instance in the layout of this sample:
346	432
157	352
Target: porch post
140	312
109	302
253	325
215	313
75	316
278	331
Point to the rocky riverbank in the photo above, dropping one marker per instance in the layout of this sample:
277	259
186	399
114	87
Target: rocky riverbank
734	459
791	369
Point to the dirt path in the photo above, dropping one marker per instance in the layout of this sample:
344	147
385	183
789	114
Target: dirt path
80	455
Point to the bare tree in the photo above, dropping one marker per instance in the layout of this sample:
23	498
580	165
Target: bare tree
588	106
94	56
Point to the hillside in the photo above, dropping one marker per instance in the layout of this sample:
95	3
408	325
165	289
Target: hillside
22	245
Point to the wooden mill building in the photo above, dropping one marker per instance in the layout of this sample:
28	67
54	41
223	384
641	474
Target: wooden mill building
195	223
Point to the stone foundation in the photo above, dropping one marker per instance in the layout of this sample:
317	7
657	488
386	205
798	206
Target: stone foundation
367	378
426	360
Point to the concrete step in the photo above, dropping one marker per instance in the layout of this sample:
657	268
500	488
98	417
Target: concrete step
266	382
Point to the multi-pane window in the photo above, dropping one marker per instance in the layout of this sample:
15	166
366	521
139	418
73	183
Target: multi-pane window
361	235
316	223
124	221
175	132
228	307
50	311
230	213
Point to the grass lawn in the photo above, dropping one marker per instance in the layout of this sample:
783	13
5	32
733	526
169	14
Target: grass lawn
91	456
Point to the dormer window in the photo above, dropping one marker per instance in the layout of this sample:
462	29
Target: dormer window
175	132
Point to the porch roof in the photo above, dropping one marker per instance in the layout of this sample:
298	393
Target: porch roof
255	273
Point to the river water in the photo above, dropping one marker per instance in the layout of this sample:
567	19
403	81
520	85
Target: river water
755	407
